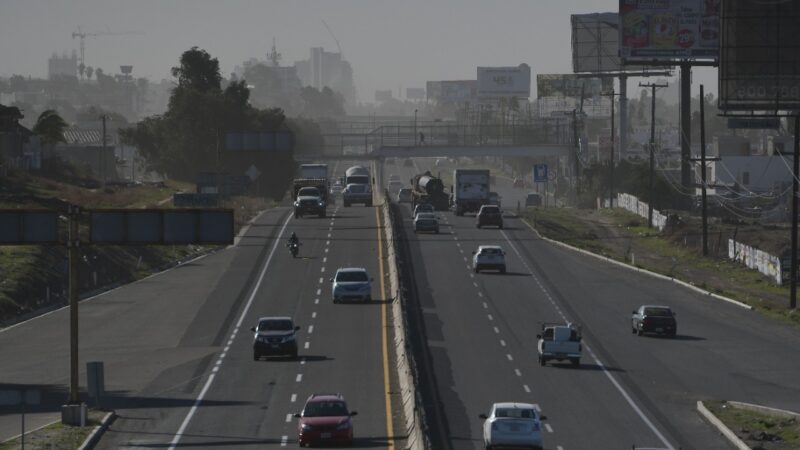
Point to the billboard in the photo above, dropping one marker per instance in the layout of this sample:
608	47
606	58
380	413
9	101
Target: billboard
669	30
595	43
161	226
383	95
452	91
415	93
760	56
568	85
496	82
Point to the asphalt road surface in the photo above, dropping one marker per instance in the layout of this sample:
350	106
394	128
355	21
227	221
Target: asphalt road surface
177	346
628	390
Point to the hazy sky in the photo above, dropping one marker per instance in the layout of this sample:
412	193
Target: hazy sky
391	44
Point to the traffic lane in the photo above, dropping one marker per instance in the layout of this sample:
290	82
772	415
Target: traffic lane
582	405
155	411
721	351
326	353
465	352
132	329
243	405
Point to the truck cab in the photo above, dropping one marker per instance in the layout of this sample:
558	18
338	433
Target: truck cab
309	200
560	342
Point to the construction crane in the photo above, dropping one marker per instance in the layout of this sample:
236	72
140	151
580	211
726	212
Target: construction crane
83	35
334	38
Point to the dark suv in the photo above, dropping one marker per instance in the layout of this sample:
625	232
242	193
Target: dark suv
490	215
274	336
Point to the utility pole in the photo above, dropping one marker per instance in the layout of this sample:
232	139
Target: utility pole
101	169
793	294
703	168
611	160
577	148
686	123
653	86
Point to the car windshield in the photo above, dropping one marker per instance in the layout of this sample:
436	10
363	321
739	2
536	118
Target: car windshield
490	251
275	325
309	192
515	413
425	207
425	216
490	210
659	312
356	188
351	276
325	409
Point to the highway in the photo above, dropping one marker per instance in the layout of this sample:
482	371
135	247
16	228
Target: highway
480	331
177	346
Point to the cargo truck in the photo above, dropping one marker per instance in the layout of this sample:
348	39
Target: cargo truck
470	190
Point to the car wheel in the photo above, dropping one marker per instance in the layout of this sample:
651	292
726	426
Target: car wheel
294	354
542	360
501	226
256	356
488	447
503	270
477	270
335	300
575	361
639	332
368	299
478	226
296	215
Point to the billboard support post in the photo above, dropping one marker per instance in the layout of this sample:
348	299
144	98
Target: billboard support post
653	86
686	124
703	169
73	256
623	116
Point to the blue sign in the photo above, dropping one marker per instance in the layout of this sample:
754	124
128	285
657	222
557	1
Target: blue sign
540	173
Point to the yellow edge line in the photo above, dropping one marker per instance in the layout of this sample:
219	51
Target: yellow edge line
385	337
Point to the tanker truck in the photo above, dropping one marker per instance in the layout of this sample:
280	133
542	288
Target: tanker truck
428	189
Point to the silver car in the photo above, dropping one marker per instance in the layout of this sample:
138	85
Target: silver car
512	424
351	283
426	221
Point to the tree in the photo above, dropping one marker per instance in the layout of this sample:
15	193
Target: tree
324	103
89	72
81	69
50	126
197	71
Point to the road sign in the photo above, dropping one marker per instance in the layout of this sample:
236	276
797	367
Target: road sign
754	123
539	173
160	226
14	397
252	172
19	227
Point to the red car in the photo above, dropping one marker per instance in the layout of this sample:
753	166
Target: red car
325	418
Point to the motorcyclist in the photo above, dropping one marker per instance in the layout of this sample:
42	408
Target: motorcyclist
293	239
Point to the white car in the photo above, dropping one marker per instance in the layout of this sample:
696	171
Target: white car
515	425
351	283
491	257
423	208
426	221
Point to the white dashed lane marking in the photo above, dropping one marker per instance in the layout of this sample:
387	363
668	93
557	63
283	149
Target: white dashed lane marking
299	378
319	291
502	342
497	330
491	317
289	417
322	269
548	428
526	388
305	346
321	280
314	315
284	440
516	371
310	329
294	398
510	358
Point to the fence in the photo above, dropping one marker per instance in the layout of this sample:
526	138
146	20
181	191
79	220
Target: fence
636	206
753	258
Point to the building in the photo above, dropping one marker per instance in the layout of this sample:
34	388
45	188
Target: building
19	147
59	66
327	69
84	149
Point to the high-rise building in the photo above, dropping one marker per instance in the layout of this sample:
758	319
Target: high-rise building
327	69
63	65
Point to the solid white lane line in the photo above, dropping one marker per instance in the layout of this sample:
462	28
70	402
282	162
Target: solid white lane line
289	417
299	378
310	329
294	398
510	358
516	371
548	428
597	361
175	439
527	389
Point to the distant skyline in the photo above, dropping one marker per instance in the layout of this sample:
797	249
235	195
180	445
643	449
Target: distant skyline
390	44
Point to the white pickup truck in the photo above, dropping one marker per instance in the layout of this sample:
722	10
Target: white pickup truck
560	342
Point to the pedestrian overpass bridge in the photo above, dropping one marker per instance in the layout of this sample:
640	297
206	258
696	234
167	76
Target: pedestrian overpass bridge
532	138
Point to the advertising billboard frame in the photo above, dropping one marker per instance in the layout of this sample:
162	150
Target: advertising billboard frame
595	44
759	71
504	82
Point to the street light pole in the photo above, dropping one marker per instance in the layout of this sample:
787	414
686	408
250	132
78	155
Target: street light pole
611	160
653	86
415	127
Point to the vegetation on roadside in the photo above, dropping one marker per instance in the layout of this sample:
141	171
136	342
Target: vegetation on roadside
56	435
675	252
756	429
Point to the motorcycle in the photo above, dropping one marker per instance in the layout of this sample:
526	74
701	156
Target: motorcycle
294	248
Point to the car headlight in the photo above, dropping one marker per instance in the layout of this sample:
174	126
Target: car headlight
306	427
344	425
321	203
